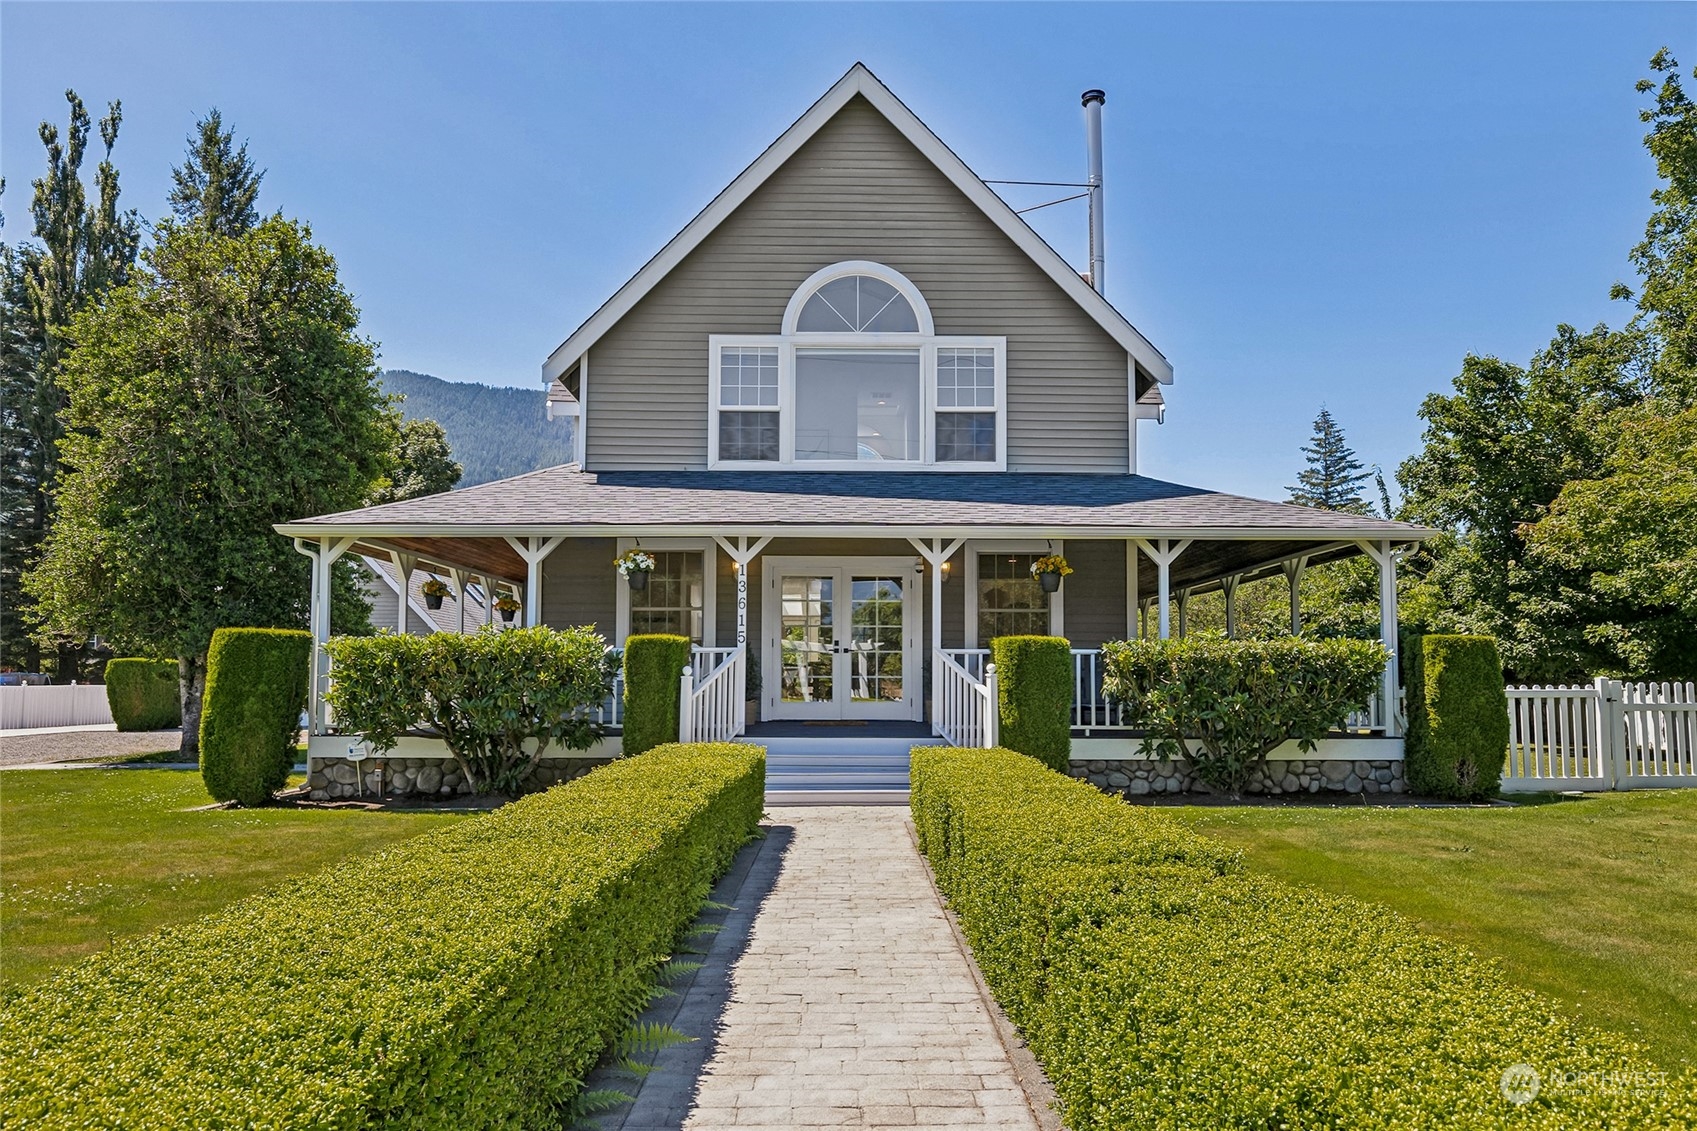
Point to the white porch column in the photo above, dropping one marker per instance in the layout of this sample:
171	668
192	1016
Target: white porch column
742	554
488	600
323	554
1133	603
1183	608
1228	586
1294	570
935	553
404	565
1385	558
462	580
534	551
1163	552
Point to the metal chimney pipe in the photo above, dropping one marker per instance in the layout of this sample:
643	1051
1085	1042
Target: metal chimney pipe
1093	101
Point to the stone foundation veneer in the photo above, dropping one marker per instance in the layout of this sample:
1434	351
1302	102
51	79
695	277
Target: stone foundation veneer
1140	776
333	779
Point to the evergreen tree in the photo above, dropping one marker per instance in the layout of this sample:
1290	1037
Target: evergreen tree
422	463
1333	478
84	251
216	187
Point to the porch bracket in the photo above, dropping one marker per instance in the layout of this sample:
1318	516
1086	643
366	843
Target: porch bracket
741	555
533	551
1293	571
1163	552
1228	586
935	554
404	566
462	581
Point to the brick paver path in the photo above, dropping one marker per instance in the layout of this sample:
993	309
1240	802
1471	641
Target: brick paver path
851	1003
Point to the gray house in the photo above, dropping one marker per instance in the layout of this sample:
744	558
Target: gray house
844	411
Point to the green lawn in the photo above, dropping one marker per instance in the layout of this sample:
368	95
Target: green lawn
87	856
1591	901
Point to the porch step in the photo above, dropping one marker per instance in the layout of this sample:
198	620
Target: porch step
839	764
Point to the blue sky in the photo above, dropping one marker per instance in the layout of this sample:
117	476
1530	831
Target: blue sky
1306	204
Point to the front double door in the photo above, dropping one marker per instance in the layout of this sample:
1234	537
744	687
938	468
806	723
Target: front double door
841	639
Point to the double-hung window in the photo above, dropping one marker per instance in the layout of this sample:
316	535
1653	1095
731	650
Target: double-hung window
858	379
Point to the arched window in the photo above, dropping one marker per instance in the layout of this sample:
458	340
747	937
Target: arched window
857	297
858	378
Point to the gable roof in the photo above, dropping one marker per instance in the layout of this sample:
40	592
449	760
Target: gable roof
861	81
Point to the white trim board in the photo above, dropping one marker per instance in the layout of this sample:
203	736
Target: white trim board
859	81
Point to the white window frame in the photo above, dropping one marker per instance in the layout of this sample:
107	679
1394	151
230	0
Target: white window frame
709	583
927	342
1057	600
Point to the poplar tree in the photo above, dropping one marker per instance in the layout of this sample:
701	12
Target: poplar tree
85	249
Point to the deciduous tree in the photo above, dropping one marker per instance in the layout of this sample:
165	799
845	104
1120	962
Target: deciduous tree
223	390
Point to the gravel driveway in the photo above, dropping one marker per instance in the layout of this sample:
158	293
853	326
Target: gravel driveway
84	745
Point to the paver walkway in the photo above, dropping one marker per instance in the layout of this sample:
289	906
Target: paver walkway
834	995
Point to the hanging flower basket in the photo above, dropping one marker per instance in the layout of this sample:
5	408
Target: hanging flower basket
635	566
507	607
434	590
1049	570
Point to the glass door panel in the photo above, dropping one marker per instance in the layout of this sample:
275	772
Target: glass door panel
807	639
876	640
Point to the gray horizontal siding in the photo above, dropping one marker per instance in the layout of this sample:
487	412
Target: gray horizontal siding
857	190
577	585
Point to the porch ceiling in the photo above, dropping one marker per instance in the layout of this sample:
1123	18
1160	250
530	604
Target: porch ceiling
488	557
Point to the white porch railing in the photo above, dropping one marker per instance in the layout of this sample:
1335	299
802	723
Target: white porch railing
25	707
611	712
966	711
1606	735
1092	710
711	695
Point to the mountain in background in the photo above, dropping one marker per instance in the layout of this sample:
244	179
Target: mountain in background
493	431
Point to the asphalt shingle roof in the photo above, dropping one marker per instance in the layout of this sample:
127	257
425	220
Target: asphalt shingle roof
565	496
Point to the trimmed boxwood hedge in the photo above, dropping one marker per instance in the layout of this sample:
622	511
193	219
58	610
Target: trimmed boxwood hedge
464	979
1457	717
1163	986
1034	675
654	663
256	684
143	694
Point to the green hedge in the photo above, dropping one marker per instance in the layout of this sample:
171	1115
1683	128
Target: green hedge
1457	717
1163	986
1224	705
256	683
466	978
143	694
1034	675
654	664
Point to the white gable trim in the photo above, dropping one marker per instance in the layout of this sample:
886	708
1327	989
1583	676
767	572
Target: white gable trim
863	82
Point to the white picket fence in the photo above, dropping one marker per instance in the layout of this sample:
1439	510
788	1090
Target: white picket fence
44	705
1605	735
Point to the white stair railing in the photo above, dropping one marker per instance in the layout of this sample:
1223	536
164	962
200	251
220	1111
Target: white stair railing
711	696
966	712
